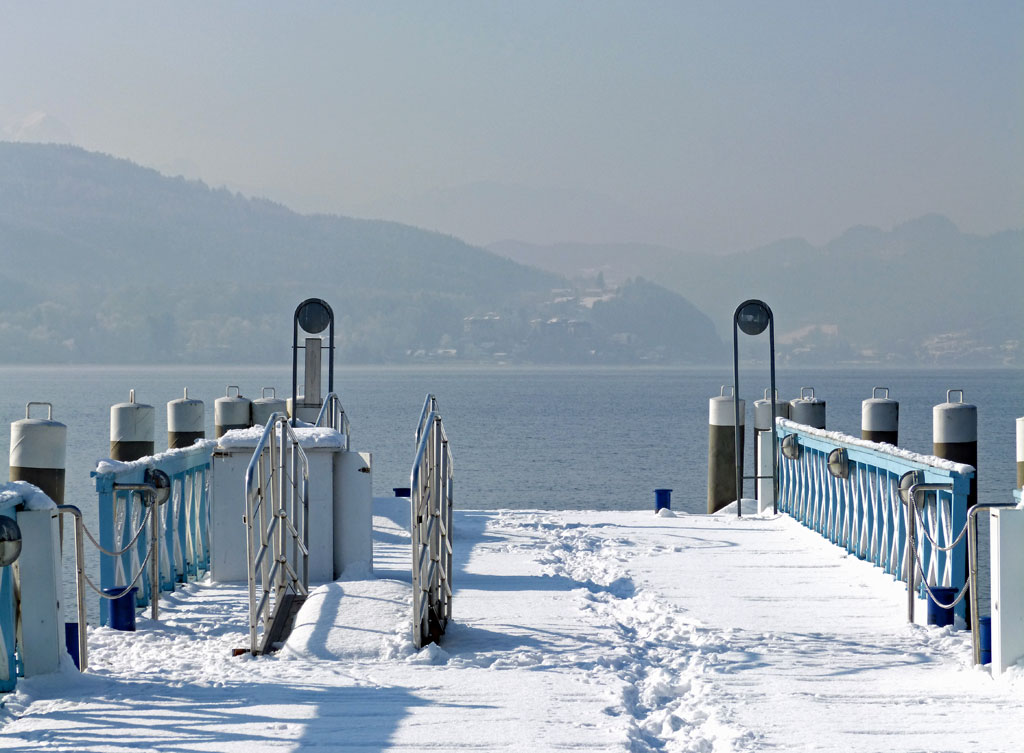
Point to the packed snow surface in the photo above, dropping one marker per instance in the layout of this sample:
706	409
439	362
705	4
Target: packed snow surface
588	631
28	496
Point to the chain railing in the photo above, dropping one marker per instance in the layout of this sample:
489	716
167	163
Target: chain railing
848	490
154	515
431	527
277	529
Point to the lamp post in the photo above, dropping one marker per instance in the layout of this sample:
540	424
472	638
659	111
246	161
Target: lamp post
753	317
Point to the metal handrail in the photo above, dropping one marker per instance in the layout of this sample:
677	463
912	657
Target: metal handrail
431	496
972	554
80	577
429	406
278	476
333	411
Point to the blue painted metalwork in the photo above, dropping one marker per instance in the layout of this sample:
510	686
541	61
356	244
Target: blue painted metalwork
864	514
185	550
8	668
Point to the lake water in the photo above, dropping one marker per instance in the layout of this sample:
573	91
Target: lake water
549	438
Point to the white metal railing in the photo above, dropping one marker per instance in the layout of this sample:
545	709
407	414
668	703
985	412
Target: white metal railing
849	490
332	415
430	524
277	528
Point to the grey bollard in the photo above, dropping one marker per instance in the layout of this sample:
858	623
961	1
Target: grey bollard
264	407
880	418
807	409
131	430
955	436
38	452
186	422
231	412
722	450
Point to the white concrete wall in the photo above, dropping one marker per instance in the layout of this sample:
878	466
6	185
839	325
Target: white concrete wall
228	558
227	512
353	512
1006	534
38	568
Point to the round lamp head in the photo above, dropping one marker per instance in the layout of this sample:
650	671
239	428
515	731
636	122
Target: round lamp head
10	540
839	463
162	482
791	446
313	315
752	317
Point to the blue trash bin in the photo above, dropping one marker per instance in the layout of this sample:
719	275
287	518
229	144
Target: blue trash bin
71	640
662	499
938	615
985	639
119	613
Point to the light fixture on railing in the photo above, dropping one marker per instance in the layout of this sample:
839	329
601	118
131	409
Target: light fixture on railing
791	446
161	482
838	463
907	480
10	540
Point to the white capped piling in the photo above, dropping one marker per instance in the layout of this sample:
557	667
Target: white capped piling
722	449
231	412
39	451
763	446
264	407
955	436
880	418
1020	453
132	430
808	409
186	421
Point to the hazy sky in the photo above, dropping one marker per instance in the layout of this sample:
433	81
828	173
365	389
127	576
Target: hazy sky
712	126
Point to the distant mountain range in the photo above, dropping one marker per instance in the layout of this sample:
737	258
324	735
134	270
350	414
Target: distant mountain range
921	293
104	261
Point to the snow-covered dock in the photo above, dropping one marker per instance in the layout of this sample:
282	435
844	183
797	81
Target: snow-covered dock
618	631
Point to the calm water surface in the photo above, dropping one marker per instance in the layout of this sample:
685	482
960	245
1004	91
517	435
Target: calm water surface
549	438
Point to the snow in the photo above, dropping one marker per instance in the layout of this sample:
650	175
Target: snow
849	441
108	465
589	631
308	436
29	496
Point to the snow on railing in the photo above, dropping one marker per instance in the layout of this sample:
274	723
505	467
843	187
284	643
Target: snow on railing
861	510
431	527
184	547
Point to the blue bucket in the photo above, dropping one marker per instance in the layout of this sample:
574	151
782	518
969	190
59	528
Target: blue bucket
71	640
938	615
985	639
119	613
662	499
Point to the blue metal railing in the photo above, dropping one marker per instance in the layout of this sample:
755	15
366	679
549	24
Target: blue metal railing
8	667
864	512
184	551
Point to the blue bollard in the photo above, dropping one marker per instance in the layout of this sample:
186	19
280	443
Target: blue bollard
662	499
119	613
985	639
938	615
